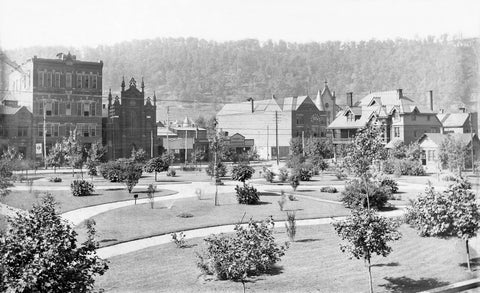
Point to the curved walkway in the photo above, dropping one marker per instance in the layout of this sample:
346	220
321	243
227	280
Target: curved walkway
134	245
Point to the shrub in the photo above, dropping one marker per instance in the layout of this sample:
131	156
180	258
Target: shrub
188	168
221	169
250	252
340	172
291	226
404	167
247	194
294	181
132	173
242	172
283	175
81	188
354	195
292	197
295	161
114	170
282	201
268	174
329	189
304	171
388	183
185	215
55	179
179	239
171	172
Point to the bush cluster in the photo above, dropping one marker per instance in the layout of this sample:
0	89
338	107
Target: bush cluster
247	194
242	172
55	179
328	189
171	172
389	183
113	170
81	188
268	174
250	252
283	175
221	169
354	195
404	167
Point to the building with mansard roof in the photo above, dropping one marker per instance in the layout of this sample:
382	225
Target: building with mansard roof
131	122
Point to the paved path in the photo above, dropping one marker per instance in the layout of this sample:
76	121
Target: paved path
135	245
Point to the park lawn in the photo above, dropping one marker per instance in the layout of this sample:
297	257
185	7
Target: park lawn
67	202
140	221
314	263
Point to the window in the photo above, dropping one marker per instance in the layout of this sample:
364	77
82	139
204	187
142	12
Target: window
84	130
40	108
68	128
94	82
22	131
92	109
49	79
396	115
414	133
55	129
431	155
93	128
40	79
40	129
414	117
48	109
396	131
68	80
434	130
79	109
86	81
79	81
3	131
57	79
86	109
68	108
428	118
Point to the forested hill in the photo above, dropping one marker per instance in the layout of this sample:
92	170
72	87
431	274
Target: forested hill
205	74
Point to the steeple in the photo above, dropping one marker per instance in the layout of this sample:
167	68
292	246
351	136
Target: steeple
326	90
319	102
123	83
154	99
109	97
143	86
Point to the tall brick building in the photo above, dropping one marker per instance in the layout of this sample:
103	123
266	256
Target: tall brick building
66	92
131	122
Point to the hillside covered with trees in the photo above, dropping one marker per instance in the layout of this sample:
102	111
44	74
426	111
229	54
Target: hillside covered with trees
203	75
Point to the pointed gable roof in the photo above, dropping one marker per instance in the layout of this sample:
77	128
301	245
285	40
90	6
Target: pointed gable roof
319	102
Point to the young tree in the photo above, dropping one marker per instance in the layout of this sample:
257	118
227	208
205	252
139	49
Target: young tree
56	156
39	253
133	173
138	156
217	146
5	178
95	156
157	164
453	153
242	172
364	234
453	213
366	148
316	147
296	147
73	151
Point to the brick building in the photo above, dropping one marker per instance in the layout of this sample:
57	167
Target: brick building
131	122
16	128
66	92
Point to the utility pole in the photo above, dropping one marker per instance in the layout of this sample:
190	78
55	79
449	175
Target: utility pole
151	143
44	135
276	137
186	151
471	147
268	150
168	129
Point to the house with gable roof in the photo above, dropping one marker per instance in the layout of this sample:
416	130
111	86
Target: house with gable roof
458	122
274	122
402	118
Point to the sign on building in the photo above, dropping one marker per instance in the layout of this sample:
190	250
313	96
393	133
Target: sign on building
38	149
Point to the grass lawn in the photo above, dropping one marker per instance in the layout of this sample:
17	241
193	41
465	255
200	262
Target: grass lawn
140	221
312	264
67	202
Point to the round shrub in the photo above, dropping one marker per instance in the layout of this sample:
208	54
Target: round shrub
81	188
389	183
354	195
247	194
294	181
55	179
328	189
242	172
172	173
113	171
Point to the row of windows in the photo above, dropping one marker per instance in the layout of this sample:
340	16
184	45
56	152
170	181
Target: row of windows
53	80
83	129
416	133
20	131
21	83
68	108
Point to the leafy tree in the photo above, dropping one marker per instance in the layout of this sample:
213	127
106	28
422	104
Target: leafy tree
318	148
96	155
296	147
453	213
39	253
242	172
366	148
217	147
138	156
157	164
365	233
56	156
453	153
133	173
250	252
73	151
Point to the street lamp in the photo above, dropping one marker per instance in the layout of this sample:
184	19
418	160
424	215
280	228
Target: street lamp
113	135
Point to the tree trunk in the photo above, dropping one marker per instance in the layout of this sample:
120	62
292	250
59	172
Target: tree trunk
243	283
468	255
366	191
155	176
215	176
370	275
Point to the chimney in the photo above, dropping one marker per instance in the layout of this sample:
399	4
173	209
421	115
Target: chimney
251	100
350	99
463	109
442	111
400	93
430	94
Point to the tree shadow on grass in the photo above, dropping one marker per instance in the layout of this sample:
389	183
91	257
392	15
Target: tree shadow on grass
405	284
305	190
292	210
269	194
390	264
261	203
307	240
108	240
115	189
474	263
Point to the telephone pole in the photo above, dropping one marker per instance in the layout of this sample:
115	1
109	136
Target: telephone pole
168	129
303	143
44	136
186	151
471	142
276	137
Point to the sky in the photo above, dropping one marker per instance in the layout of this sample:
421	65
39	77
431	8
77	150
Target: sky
103	22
